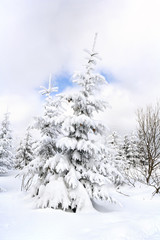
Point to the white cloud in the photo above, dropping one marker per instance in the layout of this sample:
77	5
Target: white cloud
22	110
121	115
39	37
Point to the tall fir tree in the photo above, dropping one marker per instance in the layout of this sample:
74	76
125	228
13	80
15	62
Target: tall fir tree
74	176
69	165
6	148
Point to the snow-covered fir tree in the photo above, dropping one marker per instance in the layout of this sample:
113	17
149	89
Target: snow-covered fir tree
48	124
6	148
25	151
48	127
69	160
134	149
131	150
131	159
74	175
115	160
126	147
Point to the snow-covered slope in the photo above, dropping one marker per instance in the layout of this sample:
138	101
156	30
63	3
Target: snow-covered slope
138	218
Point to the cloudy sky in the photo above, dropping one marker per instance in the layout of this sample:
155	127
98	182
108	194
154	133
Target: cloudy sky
48	36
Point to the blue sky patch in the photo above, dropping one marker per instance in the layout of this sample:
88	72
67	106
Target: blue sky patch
62	81
108	76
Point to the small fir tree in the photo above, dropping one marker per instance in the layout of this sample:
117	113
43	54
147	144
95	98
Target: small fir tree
48	127
6	149
25	151
131	150
131	157
114	163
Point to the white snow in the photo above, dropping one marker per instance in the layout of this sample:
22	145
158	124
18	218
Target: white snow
137	218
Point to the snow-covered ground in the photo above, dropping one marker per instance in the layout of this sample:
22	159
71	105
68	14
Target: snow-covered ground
137	218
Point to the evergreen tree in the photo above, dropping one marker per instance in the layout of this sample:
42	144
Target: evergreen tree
131	157
25	151
6	149
134	149
75	175
69	165
115	162
131	150
48	127
127	149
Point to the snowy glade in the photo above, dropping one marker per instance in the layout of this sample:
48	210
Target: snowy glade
6	148
69	169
